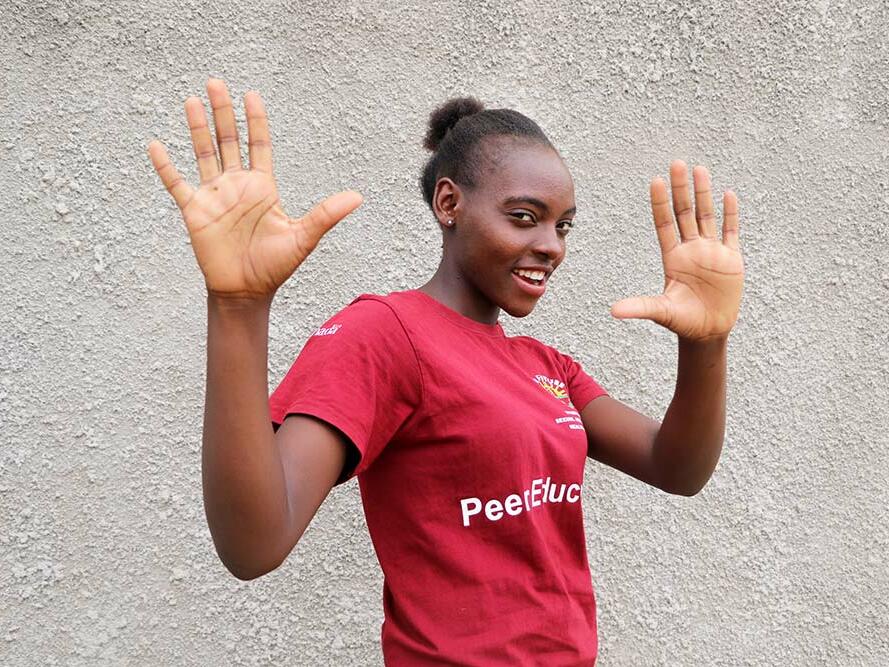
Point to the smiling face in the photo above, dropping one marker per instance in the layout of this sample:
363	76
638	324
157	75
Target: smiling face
515	218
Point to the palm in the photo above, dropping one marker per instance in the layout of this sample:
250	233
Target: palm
702	287
703	276
245	245
241	236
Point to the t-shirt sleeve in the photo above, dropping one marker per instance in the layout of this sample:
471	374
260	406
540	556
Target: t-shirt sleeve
582	388
359	373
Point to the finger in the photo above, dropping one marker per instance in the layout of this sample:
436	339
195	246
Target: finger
259	141
730	223
704	203
226	127
642	307
663	217
688	228
204	149
181	191
317	222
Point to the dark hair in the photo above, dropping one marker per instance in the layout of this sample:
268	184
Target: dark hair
455	130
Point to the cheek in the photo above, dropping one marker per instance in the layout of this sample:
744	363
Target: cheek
499	243
491	257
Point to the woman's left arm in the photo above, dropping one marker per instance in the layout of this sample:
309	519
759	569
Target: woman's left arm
702	294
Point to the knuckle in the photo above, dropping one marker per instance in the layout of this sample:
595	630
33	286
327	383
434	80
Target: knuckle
324	210
303	241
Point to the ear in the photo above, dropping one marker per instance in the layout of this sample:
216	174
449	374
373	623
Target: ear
446	200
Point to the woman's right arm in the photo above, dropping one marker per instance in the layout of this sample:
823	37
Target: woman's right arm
261	488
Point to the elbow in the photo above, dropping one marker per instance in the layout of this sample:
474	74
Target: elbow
247	559
681	486
252	570
688	489
684	482
248	574
244	574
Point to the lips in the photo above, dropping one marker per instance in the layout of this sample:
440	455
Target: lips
529	287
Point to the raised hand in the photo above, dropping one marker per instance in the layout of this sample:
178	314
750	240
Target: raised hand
703	276
245	245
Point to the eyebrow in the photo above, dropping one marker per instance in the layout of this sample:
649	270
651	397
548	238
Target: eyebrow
524	199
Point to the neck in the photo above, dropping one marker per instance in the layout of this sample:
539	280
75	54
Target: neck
450	287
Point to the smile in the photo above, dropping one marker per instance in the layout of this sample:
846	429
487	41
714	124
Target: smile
534	276
535	286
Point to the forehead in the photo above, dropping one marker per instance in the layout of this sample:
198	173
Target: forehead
511	166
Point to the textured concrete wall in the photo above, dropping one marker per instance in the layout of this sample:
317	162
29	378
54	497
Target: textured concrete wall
105	557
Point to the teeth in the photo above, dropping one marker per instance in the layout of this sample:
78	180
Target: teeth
533	275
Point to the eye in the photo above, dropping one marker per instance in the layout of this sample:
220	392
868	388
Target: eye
568	225
519	214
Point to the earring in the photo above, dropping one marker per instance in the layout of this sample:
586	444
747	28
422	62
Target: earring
449	222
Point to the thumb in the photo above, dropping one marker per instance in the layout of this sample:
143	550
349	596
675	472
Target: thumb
641	307
324	215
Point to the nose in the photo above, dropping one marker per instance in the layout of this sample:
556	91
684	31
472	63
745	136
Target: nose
548	243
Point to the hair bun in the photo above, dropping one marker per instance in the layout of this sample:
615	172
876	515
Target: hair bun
446	116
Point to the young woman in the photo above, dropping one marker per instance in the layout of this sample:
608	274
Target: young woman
468	445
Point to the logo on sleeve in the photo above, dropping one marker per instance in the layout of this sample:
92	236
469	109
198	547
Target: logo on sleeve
328	331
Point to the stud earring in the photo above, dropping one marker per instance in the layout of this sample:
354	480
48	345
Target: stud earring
449	222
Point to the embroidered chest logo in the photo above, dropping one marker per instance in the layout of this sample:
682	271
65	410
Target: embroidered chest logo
553	386
570	417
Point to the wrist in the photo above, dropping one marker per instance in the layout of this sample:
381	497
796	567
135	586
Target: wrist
247	304
715	341
702	355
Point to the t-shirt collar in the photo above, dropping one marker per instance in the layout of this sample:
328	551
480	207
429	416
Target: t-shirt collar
458	318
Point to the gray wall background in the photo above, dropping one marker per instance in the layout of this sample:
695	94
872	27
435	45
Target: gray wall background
105	557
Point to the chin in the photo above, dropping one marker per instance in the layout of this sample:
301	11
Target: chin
519	309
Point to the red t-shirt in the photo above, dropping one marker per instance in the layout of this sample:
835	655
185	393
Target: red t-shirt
470	456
